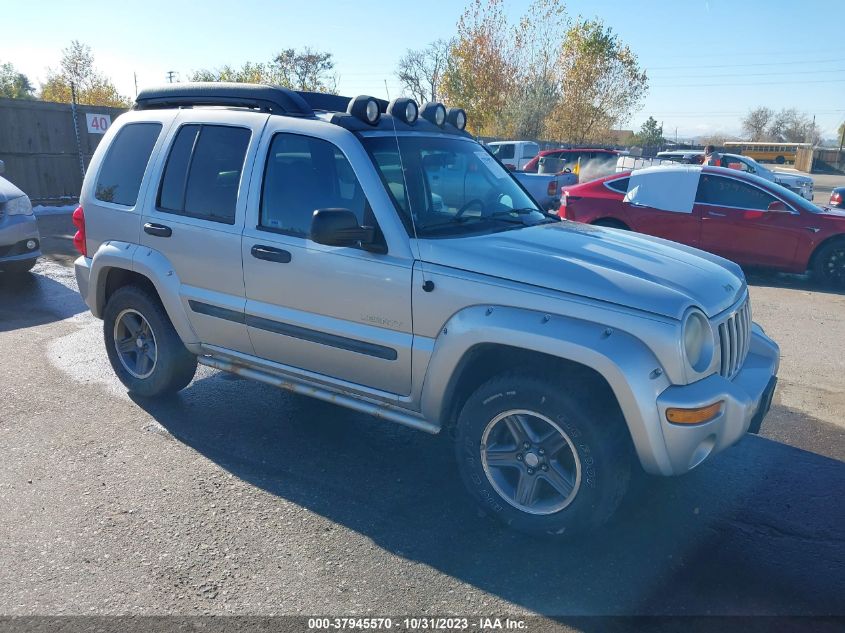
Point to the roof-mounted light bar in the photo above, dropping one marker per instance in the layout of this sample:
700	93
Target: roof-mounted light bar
435	113
457	117
404	109
365	108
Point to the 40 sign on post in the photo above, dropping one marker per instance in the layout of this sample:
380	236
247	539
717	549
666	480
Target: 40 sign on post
97	123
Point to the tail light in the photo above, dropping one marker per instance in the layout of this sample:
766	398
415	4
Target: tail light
836	198
552	190
79	242
564	212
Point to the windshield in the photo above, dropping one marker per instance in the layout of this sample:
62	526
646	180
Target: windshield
450	186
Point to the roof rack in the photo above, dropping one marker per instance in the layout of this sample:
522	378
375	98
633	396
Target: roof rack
273	99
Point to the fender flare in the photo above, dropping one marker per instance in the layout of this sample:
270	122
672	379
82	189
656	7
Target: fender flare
624	361
152	265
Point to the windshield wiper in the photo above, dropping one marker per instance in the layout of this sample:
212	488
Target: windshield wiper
521	213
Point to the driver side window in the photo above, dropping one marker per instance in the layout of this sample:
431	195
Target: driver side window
303	174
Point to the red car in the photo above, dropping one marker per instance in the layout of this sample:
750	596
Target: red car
737	215
571	157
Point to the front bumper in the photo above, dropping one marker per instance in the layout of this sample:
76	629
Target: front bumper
15	232
746	399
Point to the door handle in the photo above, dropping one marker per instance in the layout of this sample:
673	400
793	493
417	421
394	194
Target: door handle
716	214
270	254
159	230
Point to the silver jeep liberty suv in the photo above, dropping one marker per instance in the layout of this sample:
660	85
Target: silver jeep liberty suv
375	255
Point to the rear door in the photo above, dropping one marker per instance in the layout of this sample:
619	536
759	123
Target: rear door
661	203
196	214
736	223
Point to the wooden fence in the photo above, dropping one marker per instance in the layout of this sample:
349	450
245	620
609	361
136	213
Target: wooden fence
38	144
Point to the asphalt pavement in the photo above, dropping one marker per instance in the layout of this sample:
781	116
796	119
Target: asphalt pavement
237	498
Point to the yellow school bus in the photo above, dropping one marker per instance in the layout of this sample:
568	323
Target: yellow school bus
766	152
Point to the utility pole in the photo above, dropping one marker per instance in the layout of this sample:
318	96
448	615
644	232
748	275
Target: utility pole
76	128
170	75
135	75
386	90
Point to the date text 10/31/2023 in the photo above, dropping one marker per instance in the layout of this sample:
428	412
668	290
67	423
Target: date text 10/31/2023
417	624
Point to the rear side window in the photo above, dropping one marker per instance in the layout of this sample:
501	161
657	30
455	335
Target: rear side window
504	151
729	192
125	162
620	185
203	172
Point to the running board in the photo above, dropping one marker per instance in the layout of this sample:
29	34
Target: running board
382	410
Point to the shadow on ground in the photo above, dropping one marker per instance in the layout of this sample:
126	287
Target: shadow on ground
773	279
757	530
35	299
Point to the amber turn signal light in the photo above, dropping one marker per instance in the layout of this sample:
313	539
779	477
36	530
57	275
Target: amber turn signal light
694	416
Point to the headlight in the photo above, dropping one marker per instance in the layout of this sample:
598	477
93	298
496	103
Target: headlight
19	206
698	340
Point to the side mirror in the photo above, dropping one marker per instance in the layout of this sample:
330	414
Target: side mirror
2	167
339	227
778	207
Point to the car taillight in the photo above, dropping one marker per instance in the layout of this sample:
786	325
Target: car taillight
79	239
552	189
836	198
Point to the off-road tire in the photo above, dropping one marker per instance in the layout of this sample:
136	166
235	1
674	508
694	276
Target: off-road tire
598	435
174	366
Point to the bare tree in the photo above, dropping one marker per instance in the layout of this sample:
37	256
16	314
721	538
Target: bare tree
756	123
792	126
421	71
77	69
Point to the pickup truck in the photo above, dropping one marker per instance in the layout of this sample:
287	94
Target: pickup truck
375	256
514	155
546	188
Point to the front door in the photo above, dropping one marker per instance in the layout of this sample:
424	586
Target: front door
736	223
341	312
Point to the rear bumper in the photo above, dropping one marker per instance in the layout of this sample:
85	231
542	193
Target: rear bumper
746	400
82	268
15	232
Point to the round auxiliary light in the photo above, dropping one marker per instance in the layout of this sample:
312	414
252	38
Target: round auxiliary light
404	109
434	112
31	244
365	108
457	117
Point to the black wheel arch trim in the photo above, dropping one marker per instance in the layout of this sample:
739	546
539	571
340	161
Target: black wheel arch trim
295	331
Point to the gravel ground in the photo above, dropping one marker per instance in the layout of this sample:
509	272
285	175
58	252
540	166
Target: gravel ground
236	498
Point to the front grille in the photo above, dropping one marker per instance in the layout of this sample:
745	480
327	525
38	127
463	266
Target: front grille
735	340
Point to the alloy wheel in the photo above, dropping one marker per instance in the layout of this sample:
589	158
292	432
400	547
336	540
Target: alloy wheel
135	343
530	461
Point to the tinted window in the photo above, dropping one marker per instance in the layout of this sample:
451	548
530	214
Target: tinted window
125	162
531	150
504	151
620	185
728	192
304	174
203	172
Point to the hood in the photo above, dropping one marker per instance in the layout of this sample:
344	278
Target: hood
8	191
794	179
619	267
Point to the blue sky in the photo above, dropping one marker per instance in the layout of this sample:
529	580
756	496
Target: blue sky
709	61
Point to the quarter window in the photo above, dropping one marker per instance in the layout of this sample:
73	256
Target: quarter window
203	172
620	185
125	163
304	174
729	192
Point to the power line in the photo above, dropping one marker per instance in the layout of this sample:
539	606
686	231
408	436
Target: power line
790	72
751	85
808	61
